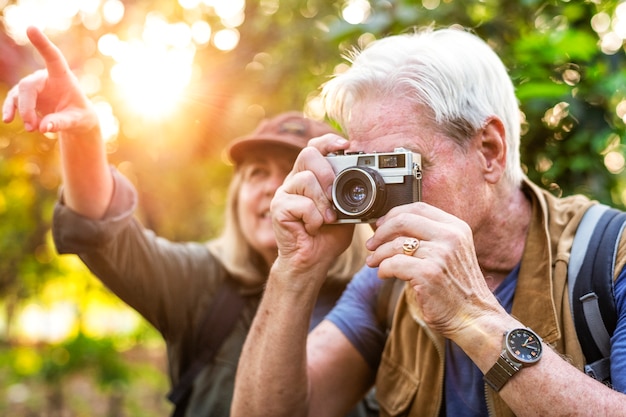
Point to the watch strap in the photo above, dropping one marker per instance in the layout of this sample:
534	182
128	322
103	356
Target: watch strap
501	372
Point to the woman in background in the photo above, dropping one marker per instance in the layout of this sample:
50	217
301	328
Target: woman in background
171	284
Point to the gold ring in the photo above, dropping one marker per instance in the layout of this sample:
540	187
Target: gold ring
410	246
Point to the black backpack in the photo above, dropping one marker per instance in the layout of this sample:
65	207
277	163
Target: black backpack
590	282
217	324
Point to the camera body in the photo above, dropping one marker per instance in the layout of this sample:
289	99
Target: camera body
367	186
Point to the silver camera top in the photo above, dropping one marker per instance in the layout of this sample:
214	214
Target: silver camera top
398	163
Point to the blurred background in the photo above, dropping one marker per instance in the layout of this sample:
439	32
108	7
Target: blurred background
174	81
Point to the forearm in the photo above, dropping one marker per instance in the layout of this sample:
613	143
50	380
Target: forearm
555	388
272	377
538	390
87	180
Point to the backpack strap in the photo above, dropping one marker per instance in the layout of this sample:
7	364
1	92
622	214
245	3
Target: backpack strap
218	323
590	281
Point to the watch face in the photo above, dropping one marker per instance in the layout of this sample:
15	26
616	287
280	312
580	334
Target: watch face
524	345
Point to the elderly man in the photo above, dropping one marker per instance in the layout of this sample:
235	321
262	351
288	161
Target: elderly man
483	325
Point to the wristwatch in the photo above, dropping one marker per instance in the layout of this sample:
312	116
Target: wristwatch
521	347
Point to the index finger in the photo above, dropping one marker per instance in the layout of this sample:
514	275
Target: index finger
55	61
419	220
329	143
310	159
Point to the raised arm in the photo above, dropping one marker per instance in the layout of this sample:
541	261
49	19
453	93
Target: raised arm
280	372
51	101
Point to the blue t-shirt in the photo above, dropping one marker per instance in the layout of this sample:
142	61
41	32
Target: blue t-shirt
355	315
464	386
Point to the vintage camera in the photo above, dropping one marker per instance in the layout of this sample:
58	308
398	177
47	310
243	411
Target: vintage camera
367	186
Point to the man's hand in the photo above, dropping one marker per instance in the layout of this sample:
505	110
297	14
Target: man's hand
449	286
302	209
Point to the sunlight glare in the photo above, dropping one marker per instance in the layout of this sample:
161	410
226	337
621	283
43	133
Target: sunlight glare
54	324
314	106
234	20
226	9
153	77
89	6
152	73
179	35
356	11
226	39
189	4
113	11
100	319
90	83
41	13
109	125
108	44
201	32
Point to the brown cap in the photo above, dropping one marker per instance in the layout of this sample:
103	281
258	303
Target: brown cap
289	130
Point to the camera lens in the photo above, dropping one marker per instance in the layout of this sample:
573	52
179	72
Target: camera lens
358	191
355	191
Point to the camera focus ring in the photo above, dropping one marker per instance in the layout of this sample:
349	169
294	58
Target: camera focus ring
358	192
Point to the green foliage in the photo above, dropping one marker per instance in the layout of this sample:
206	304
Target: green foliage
86	375
84	353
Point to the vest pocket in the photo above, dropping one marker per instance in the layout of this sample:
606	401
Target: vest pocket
395	388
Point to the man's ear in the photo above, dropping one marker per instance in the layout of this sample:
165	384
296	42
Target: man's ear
493	148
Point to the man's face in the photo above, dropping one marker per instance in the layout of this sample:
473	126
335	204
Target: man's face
452	179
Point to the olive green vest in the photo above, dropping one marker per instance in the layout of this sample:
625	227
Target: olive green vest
410	378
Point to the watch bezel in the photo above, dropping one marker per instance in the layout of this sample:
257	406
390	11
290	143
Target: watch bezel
511	348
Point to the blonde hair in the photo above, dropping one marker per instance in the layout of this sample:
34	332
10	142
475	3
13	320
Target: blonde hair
248	266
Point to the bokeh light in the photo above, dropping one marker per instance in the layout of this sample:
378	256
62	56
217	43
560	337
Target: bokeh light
109	125
227	9
38	323
430	4
153	65
201	32
614	162
226	39
113	11
152	72
145	67
356	11
56	16
611	29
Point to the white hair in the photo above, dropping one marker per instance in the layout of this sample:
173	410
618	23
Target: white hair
450	71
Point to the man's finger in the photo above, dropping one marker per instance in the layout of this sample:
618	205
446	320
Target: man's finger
329	143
